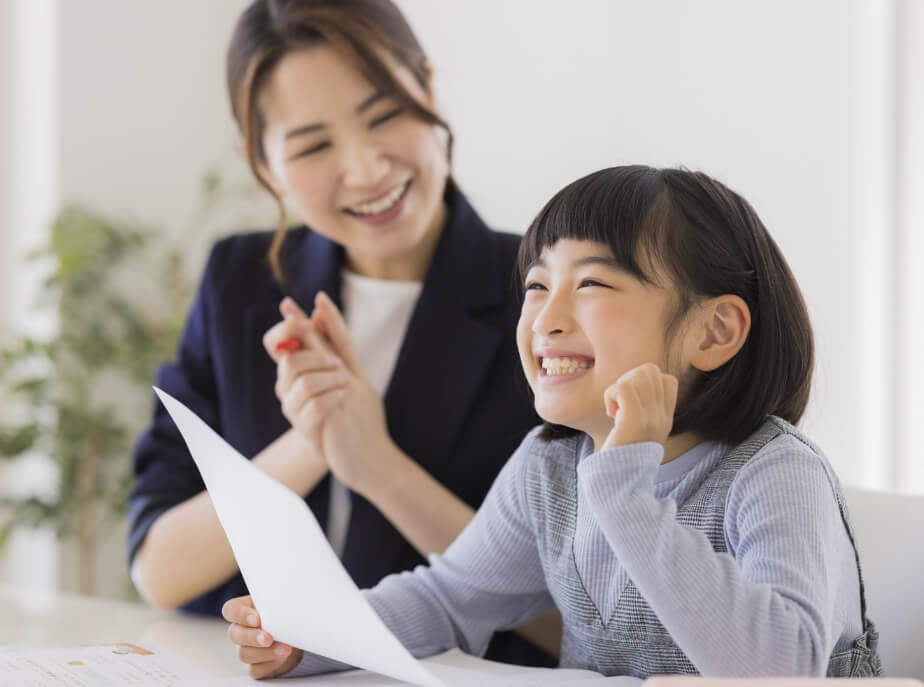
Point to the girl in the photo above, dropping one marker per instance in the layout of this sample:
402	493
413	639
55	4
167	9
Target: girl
668	507
338	116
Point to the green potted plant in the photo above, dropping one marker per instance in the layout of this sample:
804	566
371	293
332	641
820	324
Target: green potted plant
82	396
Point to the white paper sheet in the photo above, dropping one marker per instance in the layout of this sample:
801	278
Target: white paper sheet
113	665
304	595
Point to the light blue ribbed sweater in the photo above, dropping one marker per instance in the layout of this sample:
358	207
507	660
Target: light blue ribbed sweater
784	597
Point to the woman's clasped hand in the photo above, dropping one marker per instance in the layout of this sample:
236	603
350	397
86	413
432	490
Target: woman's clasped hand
327	397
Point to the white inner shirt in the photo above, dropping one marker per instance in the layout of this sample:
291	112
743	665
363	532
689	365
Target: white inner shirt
377	313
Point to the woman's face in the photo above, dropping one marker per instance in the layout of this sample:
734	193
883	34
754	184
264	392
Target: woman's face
353	164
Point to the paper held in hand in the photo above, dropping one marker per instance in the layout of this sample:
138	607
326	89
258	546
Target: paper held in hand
304	595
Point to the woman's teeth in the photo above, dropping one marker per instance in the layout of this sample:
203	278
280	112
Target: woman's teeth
384	203
563	366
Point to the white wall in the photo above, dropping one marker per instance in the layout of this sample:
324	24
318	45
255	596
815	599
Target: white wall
812	110
143	105
28	197
791	103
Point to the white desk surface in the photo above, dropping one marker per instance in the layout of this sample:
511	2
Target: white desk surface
31	618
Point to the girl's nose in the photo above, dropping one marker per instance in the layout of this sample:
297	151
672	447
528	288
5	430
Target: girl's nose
554	318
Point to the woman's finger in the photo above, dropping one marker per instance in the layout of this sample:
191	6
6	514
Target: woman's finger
335	328
299	363
310	338
309	386
289	308
313	412
289	329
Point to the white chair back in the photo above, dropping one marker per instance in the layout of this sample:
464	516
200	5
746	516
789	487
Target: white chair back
889	530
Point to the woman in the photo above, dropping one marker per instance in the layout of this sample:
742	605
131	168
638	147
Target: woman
334	103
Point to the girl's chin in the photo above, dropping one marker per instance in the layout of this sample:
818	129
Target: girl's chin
588	425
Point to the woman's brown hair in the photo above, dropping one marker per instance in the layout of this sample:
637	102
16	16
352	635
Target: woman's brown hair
358	29
711	242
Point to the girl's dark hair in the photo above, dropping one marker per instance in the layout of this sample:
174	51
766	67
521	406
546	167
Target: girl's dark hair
709	242
358	29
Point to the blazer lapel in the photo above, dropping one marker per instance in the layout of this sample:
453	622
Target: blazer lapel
440	369
446	341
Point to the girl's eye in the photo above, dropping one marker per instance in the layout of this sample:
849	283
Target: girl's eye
534	286
312	150
592	282
385	117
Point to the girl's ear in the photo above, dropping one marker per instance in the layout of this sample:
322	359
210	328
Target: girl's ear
724	329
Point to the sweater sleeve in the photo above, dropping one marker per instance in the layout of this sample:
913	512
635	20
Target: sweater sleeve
764	608
489	579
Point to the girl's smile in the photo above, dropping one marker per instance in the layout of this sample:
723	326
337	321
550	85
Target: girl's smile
558	367
585	322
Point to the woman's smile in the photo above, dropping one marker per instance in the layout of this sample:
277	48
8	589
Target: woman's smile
382	209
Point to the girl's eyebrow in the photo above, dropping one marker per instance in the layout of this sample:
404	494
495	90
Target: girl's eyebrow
312	128
538	262
601	260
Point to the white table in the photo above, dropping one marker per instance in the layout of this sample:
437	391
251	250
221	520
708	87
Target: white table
31	618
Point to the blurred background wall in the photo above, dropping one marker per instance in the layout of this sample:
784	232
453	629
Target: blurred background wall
814	111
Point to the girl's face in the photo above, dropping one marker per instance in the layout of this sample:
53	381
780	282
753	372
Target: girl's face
354	165
584	323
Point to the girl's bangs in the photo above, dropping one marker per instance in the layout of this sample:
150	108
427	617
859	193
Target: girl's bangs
614	207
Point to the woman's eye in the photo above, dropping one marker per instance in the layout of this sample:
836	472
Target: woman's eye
312	150
385	117
534	286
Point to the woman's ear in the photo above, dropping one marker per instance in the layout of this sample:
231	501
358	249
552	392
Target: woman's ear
723	330
429	92
270	179
266	175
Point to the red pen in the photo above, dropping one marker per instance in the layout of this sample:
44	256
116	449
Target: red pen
288	346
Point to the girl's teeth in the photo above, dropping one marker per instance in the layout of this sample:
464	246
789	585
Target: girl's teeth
563	366
381	205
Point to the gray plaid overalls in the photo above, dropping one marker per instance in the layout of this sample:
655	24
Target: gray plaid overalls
633	641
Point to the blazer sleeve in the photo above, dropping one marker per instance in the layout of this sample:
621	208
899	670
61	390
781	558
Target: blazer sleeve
165	474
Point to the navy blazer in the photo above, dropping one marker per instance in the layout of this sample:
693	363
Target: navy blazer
457	402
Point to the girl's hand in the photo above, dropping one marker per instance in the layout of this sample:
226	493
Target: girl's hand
642	404
263	656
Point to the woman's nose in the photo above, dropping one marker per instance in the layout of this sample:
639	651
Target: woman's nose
363	165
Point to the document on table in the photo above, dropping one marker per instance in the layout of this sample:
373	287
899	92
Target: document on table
113	665
304	595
